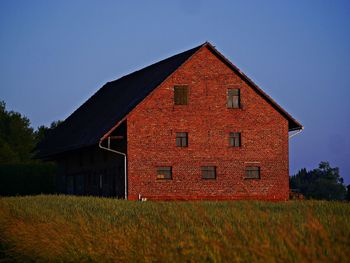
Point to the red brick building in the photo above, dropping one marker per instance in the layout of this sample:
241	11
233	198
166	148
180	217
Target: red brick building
192	126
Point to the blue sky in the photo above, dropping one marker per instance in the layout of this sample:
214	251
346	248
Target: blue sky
55	54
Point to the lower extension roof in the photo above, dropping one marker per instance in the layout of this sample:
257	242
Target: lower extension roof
111	103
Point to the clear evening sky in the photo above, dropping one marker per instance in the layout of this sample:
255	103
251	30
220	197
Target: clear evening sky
55	54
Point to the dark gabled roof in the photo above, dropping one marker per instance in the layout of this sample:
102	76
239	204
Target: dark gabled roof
110	104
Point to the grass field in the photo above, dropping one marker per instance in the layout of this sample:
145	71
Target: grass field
87	229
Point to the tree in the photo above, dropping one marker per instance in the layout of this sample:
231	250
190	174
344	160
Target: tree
16	137
323	182
348	193
43	131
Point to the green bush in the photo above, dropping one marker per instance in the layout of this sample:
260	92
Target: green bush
27	179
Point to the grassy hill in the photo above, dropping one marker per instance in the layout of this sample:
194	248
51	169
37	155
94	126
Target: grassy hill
87	229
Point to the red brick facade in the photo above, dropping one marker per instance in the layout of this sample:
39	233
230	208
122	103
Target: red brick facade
152	127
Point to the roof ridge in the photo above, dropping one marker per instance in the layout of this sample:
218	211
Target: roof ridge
106	85
257	88
158	62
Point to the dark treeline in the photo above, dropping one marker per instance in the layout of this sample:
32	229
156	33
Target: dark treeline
323	182
20	173
17	138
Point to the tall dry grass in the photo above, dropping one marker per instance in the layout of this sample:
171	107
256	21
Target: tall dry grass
87	229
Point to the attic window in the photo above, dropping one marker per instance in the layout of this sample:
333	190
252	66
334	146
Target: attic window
208	172
235	139
180	95
233	99
181	139
164	173
252	172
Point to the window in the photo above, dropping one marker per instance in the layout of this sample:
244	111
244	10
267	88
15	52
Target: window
233	99
181	139
208	172
181	95
252	172
235	139
164	173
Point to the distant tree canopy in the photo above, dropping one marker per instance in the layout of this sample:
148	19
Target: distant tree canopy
43	131
323	182
17	138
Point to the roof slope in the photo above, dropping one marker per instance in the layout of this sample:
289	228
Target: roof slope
293	124
110	104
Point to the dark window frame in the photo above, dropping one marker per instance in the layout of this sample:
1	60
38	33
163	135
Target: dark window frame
235	139
208	172
181	94
252	172
233	98
181	139
164	172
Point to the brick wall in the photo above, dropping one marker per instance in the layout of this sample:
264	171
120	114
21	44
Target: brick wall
153	124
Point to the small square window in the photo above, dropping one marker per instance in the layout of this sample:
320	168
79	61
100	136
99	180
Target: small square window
252	172
233	99
235	139
182	139
164	173
208	172
180	95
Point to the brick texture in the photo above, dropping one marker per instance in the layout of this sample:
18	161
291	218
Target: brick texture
152	127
